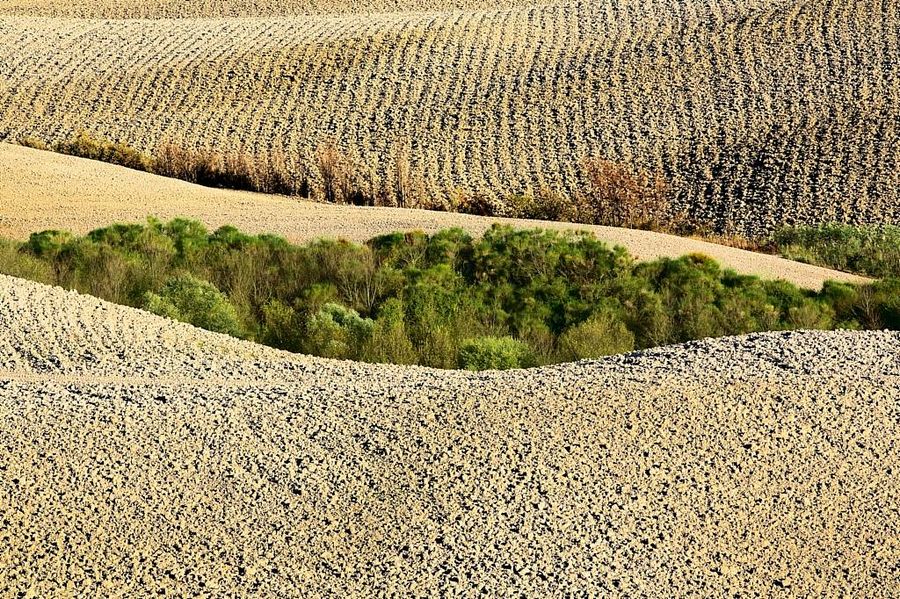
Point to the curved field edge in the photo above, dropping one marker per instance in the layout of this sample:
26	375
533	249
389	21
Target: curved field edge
198	463
749	134
43	190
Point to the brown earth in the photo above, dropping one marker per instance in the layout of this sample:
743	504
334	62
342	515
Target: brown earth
493	98
139	455
43	190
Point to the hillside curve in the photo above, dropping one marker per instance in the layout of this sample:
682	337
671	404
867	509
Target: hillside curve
145	456
43	190
757	113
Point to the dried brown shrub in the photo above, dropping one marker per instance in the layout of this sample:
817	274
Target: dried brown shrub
204	167
335	174
33	142
618	196
87	145
234	170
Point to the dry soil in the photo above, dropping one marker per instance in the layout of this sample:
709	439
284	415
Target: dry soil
756	112
140	455
43	190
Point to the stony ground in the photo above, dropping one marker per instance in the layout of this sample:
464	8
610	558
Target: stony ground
43	190
492	96
139	455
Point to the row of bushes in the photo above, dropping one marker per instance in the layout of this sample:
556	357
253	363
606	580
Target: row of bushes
233	170
509	299
866	250
613	195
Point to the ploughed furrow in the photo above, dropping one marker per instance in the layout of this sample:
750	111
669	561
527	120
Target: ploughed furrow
169	9
753	112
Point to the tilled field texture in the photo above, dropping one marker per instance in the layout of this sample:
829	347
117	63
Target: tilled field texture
139	455
757	112
160	9
43	190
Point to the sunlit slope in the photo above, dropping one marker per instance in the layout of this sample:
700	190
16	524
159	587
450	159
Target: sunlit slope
145	456
757	113
157	9
43	190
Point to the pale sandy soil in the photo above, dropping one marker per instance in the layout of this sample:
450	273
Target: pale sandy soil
43	190
140	455
153	9
492	97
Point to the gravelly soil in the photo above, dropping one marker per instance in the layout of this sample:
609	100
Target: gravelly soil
139	455
756	112
42	190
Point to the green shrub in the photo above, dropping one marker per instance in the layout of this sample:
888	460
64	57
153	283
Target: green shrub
18	263
810	315
47	243
690	289
747	310
337	332
494	353
601	335
868	250
845	300
542	341
196	302
101	271
452	247
282	326
388	342
509	299
880	304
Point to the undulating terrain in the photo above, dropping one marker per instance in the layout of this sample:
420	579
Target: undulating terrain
142	456
139	455
157	9
756	112
43	190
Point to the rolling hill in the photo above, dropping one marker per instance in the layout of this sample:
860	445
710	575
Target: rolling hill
756	112
142	456
43	190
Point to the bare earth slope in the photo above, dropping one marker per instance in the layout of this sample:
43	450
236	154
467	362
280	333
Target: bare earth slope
140	455
42	190
174	9
758	112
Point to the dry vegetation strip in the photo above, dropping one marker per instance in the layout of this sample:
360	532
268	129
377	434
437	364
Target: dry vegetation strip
43	190
746	133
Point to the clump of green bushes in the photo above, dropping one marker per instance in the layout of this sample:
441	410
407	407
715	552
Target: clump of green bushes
494	353
189	299
509	299
868	250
